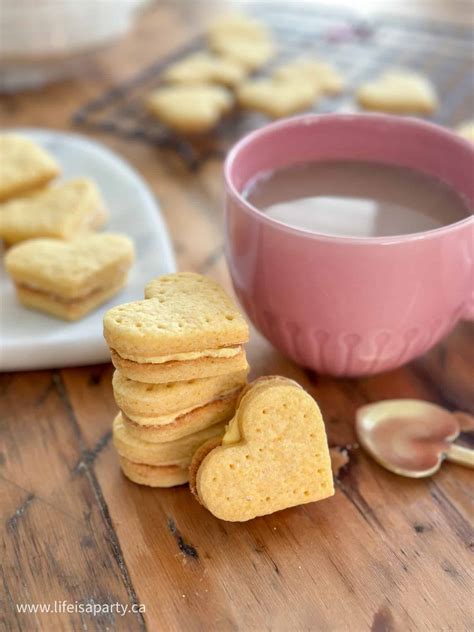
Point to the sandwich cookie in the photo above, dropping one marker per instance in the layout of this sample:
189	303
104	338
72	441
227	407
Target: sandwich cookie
165	412
154	475
170	428
69	279
25	166
62	211
273	455
187	327
178	452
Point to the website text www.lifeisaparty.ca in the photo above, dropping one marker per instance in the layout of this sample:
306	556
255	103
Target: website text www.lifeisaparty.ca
90	607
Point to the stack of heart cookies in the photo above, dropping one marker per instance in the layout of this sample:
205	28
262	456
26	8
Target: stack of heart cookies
180	367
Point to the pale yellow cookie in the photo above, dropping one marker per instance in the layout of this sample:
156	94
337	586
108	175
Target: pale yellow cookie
24	166
190	108
159	403
466	130
251	54
154	475
399	92
243	39
187	327
206	68
238	25
68	279
273	455
172	427
178	452
277	98
62	211
325	77
197	460
183	368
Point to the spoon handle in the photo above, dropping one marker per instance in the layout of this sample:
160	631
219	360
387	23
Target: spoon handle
460	455
466	421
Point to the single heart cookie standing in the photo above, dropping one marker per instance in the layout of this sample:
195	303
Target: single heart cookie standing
274	455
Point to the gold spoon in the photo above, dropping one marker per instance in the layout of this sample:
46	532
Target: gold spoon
412	437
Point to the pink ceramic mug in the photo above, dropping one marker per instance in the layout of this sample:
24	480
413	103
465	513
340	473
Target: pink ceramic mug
343	305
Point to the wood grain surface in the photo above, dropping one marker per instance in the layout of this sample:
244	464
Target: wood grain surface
384	554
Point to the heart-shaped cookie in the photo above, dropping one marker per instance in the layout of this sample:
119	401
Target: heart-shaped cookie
325	77
277	97
202	68
242	39
274	455
186	328
190	109
68	279
400	92
63	211
25	166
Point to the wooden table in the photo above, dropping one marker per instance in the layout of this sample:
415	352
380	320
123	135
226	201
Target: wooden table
383	554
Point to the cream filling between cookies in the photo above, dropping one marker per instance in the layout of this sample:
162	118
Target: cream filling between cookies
31	287
232	432
60	299
223	352
162	420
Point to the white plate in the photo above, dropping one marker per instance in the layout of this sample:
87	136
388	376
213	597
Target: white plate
32	340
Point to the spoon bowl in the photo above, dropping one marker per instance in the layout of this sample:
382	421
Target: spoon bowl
411	437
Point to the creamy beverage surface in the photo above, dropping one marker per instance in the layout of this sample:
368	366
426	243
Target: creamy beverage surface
356	199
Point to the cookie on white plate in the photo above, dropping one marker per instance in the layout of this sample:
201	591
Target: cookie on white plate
25	166
62	210
69	278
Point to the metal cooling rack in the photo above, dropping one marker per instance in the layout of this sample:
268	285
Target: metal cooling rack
360	50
